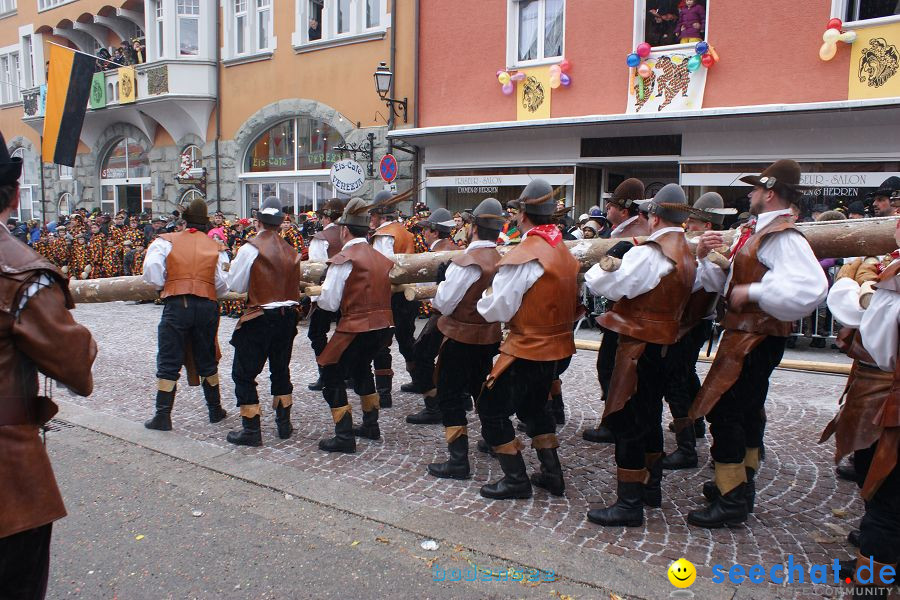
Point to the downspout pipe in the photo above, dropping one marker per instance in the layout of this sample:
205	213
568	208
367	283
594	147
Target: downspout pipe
218	107
393	59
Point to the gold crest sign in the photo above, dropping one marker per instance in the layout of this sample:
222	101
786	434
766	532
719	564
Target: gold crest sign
874	63
533	94
127	85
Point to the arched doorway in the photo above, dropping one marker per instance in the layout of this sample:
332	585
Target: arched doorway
291	160
125	178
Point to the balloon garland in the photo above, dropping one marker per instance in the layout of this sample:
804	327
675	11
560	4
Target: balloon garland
559	76
834	34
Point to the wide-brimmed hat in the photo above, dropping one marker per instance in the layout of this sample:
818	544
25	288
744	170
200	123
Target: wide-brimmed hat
782	176
710	208
627	193
536	199
489	214
440	220
888	187
670	204
195	213
270	212
356	213
332	209
386	203
10	168
856	207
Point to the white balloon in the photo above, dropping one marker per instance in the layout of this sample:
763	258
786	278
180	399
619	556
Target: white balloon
831	36
827	51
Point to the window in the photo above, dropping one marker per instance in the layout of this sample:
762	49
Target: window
28	79
670	22
11	84
160	26
48	4
7	6
196	155
125	160
296	145
240	26
64	205
264	24
188	27
28	208
864	10
65	172
191	195
536	31
330	19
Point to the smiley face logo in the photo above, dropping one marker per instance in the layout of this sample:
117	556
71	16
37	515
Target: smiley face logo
682	573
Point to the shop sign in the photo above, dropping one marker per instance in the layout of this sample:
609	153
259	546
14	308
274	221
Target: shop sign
347	176
865	179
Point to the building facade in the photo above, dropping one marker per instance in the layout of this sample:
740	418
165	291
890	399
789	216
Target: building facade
232	100
573	111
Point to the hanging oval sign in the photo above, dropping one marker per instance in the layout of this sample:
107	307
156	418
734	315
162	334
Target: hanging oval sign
347	176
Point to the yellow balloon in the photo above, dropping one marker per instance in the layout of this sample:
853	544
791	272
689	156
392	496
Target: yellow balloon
827	51
503	78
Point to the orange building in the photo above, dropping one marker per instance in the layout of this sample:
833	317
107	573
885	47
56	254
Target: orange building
575	113
234	100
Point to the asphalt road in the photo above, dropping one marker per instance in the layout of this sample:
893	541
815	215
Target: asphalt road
143	525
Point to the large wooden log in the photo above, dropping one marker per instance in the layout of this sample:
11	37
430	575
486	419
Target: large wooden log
830	239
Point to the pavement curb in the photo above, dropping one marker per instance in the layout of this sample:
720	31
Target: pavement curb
608	572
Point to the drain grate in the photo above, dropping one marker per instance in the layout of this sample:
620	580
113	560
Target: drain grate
58	425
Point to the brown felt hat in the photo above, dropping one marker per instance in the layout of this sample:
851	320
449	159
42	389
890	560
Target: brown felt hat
627	193
783	176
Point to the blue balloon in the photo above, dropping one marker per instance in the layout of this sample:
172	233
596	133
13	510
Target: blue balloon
633	60
701	47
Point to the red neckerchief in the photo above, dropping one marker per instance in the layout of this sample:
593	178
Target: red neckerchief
880	266
192	230
746	232
550	233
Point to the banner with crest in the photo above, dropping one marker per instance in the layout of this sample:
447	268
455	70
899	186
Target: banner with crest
874	62
670	86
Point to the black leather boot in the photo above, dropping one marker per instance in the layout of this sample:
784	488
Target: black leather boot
653	487
599	435
550	478
369	428
685	456
383	387
484	447
283	421
514	484
711	490
628	509
700	428
429	415
726	510
162	420
213	400
317	385
249	435
413	387
343	440
457	467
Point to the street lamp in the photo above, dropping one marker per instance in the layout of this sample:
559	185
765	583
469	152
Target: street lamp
383	79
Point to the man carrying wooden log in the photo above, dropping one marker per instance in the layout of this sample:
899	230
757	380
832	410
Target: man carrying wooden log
682	381
189	269
470	342
868	421
772	279
436	231
267	269
390	237
535	292
651	287
358	284
325	244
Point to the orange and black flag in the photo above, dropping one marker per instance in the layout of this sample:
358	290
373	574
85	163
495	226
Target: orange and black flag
68	90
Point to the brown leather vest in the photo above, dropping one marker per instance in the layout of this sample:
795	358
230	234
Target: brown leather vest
746	269
275	274
366	301
444	245
191	265
637	228
404	241
542	328
655	316
700	305
465	324
332	235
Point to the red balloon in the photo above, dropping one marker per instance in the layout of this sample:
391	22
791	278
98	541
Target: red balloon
707	60
835	24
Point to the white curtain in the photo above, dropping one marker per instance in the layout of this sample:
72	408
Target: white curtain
553	28
528	29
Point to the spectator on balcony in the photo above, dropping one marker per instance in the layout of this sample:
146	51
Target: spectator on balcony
138	51
103	58
315	30
661	18
119	57
691	22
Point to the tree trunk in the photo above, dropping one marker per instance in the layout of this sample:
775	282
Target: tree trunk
830	239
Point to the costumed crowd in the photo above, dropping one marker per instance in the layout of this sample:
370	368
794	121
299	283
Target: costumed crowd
498	339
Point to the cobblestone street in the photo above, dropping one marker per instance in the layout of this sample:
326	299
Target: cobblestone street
801	509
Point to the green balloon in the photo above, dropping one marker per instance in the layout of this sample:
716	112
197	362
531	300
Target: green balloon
694	63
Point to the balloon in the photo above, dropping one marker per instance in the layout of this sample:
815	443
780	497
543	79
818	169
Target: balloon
503	78
643	49
848	36
633	60
835	24
831	36
555	71
701	48
508	88
555	81
565	79
707	60
644	70
520	76
565	65
694	63
827	51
